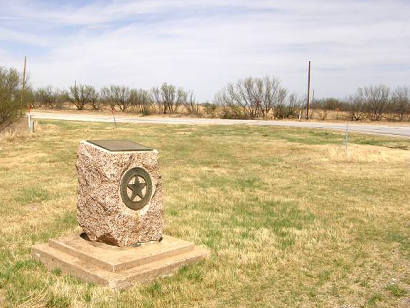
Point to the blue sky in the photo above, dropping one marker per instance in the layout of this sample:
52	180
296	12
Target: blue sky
202	45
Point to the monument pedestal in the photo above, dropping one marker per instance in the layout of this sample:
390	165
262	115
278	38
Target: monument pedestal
117	267
120	211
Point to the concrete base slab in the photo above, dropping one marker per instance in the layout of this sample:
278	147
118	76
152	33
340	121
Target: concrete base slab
117	267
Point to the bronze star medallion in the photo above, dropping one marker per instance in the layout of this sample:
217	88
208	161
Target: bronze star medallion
136	188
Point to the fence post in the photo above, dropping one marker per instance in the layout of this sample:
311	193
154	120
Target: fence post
346	137
30	128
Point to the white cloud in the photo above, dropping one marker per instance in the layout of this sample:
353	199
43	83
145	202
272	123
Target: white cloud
201	45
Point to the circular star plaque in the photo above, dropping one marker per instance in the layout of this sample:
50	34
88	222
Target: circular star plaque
136	188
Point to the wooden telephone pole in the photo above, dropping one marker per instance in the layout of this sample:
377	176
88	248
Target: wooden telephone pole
308	94
23	85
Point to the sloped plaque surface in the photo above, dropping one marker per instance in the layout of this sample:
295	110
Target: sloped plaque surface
120	145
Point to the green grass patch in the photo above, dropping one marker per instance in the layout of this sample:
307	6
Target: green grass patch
396	290
29	195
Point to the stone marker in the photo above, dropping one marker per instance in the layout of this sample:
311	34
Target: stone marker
120	211
110	177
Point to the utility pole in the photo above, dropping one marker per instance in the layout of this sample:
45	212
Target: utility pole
23	86
308	95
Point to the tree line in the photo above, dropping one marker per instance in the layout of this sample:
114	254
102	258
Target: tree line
249	98
265	98
372	103
165	99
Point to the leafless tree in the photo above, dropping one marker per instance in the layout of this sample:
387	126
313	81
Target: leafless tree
94	98
289	108
116	96
356	108
168	98
106	97
190	103
50	97
401	102
141	100
121	97
253	97
45	96
81	95
375	100
233	105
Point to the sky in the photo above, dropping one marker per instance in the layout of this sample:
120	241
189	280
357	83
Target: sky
201	45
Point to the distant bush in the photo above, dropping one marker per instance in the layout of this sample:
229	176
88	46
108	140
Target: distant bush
121	97
116	96
106	97
400	103
376	103
141	101
168	98
50	98
356	109
81	95
329	104
45	97
375	100
251	97
209	109
190	103
289	108
93	98
233	112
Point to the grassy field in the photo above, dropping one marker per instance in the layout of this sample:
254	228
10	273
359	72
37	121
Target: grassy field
291	218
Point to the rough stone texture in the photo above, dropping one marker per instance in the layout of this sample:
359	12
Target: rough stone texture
100	210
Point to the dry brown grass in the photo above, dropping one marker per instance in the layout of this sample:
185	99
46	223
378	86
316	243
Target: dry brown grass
290	218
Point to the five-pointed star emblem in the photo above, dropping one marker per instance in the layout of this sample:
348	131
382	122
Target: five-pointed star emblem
136	188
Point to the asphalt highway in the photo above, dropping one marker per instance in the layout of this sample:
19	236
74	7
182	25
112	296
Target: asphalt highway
378	129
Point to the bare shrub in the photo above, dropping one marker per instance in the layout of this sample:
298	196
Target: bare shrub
116	96
81	95
401	102
209	109
251	97
141	100
121	97
50	97
233	112
93	98
288	109
329	103
168	98
375	99
190	103
356	108
106	97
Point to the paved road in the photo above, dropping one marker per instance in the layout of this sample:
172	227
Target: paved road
390	130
